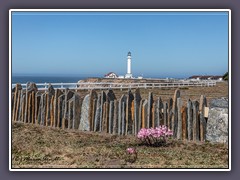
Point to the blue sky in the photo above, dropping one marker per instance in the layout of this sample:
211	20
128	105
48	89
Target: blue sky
163	44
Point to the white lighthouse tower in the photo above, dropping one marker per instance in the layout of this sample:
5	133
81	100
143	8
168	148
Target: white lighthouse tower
129	73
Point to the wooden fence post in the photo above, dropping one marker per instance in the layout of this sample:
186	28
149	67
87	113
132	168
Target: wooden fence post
195	121
174	111
190	120
203	123
170	104
179	123
165	114
184	123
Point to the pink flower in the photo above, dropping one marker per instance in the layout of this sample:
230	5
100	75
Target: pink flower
131	150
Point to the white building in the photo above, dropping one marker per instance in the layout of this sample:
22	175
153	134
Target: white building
111	75
129	73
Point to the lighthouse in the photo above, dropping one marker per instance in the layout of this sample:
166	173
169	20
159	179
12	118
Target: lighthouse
129	73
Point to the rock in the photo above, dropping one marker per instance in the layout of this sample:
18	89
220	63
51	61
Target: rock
84	121
221	103
217	124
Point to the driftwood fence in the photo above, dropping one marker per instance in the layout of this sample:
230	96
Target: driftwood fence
102	112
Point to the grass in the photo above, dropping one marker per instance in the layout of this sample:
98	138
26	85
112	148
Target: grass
46	147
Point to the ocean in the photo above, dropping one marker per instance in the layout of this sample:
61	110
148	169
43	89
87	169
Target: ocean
46	79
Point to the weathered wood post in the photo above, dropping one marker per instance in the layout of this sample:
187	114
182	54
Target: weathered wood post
144	114
28	106
165	114
203	123
15	97
179	113
98	113
111	114
184	123
68	95
115	117
21	106
17	112
50	93
169	111
190	120
129	118
55	107
92	108
60	110
195	121
137	110
149	110
175	113
103	100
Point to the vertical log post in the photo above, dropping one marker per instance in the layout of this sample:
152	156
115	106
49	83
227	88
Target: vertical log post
179	124
203	123
190	120
195	121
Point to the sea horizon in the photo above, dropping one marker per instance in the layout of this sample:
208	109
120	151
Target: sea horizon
24	78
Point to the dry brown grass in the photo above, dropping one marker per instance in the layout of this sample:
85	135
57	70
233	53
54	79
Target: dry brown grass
193	93
45	147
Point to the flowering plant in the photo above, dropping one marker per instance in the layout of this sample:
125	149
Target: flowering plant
154	136
131	155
